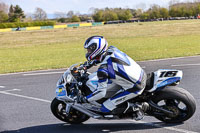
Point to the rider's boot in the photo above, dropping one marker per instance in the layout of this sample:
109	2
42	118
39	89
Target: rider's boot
140	109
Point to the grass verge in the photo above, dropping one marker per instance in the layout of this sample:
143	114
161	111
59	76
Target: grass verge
58	48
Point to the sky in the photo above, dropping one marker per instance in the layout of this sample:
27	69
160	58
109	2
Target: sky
82	6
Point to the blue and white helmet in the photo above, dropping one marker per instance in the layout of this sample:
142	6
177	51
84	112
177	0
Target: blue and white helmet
96	46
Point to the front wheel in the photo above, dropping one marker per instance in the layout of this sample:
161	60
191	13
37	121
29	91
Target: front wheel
74	117
176	100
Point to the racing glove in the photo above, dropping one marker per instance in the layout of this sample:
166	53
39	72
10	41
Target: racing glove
89	64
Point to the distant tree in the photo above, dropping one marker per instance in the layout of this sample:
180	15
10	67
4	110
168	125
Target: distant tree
133	12
109	15
125	15
19	13
11	10
3	12
62	20
70	14
144	16
75	18
98	16
182	11
197	9
84	17
172	12
189	12
154	12
185	9
3	7
11	13
176	9
3	17
164	13
15	13
138	12
40	14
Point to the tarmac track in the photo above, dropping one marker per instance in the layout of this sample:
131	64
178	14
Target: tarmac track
25	103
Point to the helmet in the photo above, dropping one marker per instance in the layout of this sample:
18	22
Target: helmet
96	46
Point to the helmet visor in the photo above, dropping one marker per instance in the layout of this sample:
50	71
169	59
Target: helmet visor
89	51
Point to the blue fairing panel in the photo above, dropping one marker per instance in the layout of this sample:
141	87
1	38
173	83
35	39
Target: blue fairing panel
168	81
121	56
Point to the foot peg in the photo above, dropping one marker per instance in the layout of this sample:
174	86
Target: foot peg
141	109
138	109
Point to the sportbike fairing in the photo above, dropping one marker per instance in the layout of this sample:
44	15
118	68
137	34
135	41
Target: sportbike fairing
165	77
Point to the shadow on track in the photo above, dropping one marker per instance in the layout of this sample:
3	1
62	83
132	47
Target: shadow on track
86	128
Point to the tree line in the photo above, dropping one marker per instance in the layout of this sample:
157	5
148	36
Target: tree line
176	10
16	14
154	12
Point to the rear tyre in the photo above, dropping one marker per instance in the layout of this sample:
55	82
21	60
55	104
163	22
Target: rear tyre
177	100
74	117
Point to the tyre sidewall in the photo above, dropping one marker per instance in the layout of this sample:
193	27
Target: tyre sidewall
173	92
54	106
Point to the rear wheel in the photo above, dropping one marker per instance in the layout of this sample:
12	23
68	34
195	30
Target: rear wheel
176	100
74	116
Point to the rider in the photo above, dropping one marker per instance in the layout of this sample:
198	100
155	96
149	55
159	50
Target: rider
115	66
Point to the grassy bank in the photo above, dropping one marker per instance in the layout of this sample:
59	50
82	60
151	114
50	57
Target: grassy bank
58	48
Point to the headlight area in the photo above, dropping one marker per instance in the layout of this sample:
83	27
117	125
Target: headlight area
69	78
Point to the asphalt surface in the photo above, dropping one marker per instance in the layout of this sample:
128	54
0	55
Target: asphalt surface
25	103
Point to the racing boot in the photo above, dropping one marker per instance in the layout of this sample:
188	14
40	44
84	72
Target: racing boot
140	109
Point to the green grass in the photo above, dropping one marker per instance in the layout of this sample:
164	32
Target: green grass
59	48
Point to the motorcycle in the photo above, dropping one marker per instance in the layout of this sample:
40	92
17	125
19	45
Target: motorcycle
165	101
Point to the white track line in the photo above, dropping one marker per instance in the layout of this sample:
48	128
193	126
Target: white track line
37	71
149	124
186	65
45	73
160	126
2	86
27	97
176	58
12	90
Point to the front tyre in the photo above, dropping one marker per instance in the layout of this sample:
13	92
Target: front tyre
177	100
74	117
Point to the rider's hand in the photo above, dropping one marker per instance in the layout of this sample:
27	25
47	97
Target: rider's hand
82	67
81	99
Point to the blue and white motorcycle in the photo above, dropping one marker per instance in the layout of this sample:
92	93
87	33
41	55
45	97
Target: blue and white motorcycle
161	97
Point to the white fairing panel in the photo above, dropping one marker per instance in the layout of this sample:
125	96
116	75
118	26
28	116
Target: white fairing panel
93	82
164	77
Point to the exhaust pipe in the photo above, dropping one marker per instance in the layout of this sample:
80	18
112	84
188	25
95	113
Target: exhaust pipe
87	112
